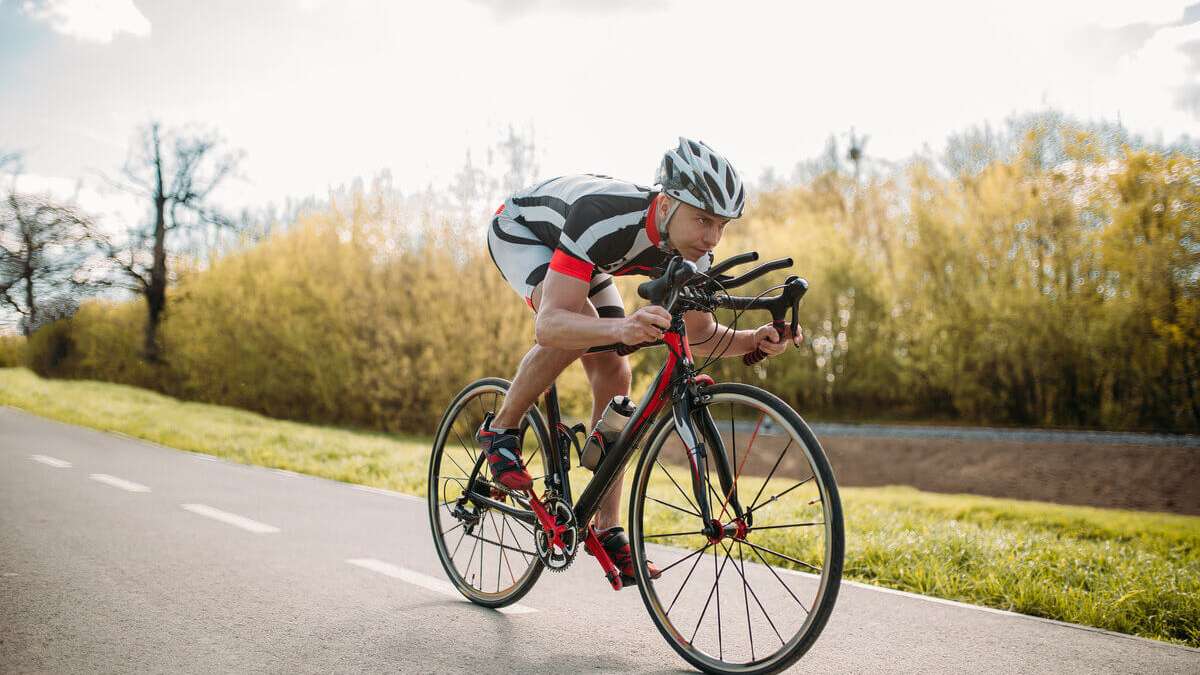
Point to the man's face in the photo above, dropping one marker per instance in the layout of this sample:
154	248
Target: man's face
694	232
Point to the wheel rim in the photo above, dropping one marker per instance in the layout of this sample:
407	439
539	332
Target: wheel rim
493	556
750	598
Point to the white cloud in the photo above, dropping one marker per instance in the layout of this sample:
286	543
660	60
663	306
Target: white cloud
89	20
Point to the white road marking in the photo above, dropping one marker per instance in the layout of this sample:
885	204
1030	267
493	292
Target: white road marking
385	493
428	583
230	518
126	485
285	472
204	457
51	461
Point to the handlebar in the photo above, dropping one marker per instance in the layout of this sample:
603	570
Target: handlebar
675	283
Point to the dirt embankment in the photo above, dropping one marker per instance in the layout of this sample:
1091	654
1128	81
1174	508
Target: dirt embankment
1147	478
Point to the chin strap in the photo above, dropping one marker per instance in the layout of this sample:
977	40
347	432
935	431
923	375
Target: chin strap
663	242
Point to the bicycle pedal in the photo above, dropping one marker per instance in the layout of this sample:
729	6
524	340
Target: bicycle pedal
615	580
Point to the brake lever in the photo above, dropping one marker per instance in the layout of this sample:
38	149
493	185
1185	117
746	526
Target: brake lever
802	284
793	286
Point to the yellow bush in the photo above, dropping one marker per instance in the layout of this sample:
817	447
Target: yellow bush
1020	294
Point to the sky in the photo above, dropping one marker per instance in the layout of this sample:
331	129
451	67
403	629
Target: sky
319	92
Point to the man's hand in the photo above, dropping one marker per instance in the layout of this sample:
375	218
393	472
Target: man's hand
766	339
645	325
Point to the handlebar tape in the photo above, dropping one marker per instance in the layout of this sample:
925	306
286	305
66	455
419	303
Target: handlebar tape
758	354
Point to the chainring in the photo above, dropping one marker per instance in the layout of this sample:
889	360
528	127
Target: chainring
553	558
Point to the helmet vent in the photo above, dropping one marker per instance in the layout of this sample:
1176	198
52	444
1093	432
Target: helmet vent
715	191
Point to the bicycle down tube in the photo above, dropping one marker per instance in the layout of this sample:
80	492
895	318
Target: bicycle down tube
658	395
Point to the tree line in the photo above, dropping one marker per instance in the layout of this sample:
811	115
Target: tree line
1046	273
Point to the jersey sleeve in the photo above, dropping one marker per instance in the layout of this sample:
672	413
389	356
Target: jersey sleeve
570	257
566	263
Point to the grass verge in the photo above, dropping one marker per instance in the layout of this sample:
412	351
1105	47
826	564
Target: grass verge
1131	572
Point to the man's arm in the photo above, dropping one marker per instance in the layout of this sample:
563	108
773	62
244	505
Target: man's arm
565	319
707	337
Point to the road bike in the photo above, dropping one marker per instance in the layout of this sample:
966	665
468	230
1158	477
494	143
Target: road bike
775	535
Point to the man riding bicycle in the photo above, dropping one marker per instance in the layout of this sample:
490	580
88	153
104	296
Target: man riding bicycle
560	242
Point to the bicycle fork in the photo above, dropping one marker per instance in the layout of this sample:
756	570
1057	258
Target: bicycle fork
685	409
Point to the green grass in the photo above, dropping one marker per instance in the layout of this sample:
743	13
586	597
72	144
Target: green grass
1126	571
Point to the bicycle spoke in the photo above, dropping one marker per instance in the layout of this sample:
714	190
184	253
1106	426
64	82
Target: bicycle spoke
676	484
717	584
470	458
780	527
460	524
471	557
685	579
685	559
781	555
745	597
770	475
677	508
504	523
710	595
732	433
755	549
672	534
496	543
522	524
772	499
756	600
503	555
736	476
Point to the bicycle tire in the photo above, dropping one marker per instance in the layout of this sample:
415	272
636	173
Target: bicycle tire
827	589
534	422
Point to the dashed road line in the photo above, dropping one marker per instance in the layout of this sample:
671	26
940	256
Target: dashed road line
426	582
230	518
51	461
126	485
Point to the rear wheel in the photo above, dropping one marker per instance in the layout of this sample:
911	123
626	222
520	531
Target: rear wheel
489	555
755	597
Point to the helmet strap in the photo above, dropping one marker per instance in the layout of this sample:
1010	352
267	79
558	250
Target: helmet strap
663	240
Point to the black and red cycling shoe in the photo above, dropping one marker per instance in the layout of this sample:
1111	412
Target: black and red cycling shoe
616	544
503	450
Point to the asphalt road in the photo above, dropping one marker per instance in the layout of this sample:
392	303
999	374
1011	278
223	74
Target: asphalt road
118	555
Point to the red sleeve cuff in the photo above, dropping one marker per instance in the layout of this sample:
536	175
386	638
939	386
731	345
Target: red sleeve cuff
564	263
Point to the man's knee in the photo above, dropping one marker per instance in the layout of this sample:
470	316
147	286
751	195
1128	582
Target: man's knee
608	371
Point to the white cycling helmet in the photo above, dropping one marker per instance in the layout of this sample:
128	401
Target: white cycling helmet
695	174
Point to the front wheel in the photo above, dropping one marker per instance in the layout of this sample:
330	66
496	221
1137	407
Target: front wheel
752	594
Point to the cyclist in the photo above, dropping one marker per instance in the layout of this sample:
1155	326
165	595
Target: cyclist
558	244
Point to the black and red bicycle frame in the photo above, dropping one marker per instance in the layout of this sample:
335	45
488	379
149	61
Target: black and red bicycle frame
676	384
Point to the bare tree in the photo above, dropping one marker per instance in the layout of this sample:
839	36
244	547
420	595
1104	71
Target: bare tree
44	261
177	173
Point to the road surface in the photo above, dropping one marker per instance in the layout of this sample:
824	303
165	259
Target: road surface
118	555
